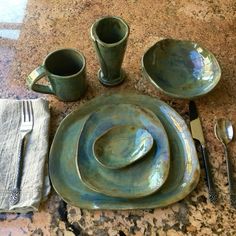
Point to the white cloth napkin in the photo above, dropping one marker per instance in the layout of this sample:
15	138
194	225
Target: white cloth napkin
35	185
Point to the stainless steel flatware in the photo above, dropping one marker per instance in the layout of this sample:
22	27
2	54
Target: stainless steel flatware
27	120
224	133
197	134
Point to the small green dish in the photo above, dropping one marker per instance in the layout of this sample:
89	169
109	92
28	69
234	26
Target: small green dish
140	179
181	68
122	145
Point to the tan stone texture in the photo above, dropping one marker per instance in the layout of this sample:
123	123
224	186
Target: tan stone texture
49	24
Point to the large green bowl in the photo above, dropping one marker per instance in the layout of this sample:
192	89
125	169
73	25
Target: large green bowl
181	69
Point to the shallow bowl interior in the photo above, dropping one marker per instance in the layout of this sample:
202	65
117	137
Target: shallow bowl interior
181	68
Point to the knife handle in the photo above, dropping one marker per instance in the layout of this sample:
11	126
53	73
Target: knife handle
211	187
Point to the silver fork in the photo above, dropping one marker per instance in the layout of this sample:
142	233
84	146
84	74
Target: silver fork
27	122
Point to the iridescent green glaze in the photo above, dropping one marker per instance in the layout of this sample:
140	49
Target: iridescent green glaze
137	180
181	68
184	166
122	145
109	35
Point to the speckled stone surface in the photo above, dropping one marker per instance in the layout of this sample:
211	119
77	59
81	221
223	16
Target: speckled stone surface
29	30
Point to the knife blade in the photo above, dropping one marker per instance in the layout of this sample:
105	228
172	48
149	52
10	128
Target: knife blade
197	134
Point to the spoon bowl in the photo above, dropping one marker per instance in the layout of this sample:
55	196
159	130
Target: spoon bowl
224	130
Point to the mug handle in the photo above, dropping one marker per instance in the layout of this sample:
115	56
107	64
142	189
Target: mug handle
36	75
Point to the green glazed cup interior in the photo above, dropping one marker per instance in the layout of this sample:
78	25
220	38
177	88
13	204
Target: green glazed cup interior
64	62
181	68
111	30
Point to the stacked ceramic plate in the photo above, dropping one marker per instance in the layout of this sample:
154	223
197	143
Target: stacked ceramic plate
123	151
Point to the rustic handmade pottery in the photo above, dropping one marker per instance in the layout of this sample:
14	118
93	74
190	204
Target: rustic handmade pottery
137	180
65	71
181	68
122	145
184	167
109	35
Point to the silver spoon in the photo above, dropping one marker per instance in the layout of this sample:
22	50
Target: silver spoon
224	132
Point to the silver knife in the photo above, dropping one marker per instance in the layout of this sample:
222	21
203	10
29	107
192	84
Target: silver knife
197	134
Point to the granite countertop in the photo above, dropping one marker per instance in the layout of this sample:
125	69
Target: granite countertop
30	29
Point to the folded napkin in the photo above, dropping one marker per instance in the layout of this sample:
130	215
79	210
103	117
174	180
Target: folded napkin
35	185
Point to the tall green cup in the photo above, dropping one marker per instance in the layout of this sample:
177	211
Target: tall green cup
64	69
110	36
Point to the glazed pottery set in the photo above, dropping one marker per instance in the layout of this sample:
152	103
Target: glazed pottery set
65	68
125	150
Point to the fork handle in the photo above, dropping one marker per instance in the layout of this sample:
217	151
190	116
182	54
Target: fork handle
15	194
230	171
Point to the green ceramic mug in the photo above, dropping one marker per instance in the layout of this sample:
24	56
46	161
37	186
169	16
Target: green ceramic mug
65	71
109	35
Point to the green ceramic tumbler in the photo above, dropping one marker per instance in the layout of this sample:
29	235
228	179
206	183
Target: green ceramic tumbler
64	69
109	35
